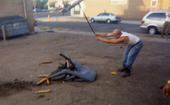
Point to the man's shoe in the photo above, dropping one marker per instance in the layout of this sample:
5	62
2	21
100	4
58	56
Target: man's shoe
121	69
127	73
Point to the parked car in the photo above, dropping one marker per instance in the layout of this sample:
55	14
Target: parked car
105	17
153	21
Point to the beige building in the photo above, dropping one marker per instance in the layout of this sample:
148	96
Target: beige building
58	4
77	10
18	7
129	9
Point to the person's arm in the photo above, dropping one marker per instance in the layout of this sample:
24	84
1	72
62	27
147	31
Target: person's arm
166	89
113	41
104	34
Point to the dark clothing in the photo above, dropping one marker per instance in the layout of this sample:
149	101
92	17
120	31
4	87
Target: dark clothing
166	28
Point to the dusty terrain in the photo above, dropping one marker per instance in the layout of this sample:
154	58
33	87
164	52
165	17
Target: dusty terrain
20	65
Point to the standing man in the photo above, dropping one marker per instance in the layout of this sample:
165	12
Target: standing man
134	45
166	27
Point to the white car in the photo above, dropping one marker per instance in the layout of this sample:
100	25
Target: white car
153	21
105	17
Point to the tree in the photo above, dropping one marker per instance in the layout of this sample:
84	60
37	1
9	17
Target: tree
40	4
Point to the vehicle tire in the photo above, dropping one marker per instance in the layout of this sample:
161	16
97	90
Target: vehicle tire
92	20
152	30
108	21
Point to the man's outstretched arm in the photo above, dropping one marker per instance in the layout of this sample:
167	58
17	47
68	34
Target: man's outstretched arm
113	41
104	34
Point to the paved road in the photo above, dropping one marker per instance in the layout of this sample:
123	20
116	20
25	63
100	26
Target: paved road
98	27
80	24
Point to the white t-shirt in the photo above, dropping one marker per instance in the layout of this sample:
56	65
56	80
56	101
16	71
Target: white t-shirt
133	39
167	16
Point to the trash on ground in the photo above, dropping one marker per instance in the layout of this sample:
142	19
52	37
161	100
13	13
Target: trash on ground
113	73
46	61
42	81
42	75
43	91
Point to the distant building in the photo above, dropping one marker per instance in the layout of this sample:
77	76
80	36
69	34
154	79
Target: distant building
78	9
129	9
57	3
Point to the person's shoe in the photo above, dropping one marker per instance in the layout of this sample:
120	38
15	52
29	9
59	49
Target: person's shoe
122	69
127	73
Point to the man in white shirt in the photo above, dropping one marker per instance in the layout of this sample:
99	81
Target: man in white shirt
134	45
166	27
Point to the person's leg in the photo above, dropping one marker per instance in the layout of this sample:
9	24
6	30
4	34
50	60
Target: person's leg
134	51
133	54
167	30
164	29
125	55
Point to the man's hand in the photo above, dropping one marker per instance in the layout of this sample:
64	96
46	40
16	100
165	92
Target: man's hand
97	37
166	89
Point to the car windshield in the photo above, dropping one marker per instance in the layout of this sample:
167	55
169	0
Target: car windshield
105	14
157	16
112	14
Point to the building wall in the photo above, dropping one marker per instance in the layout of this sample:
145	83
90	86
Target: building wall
129	9
16	7
77	10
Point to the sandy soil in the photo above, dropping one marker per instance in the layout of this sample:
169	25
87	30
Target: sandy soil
20	65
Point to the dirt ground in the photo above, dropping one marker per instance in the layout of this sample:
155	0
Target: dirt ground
20	65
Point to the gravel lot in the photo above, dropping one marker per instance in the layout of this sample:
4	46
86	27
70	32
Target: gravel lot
20	65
